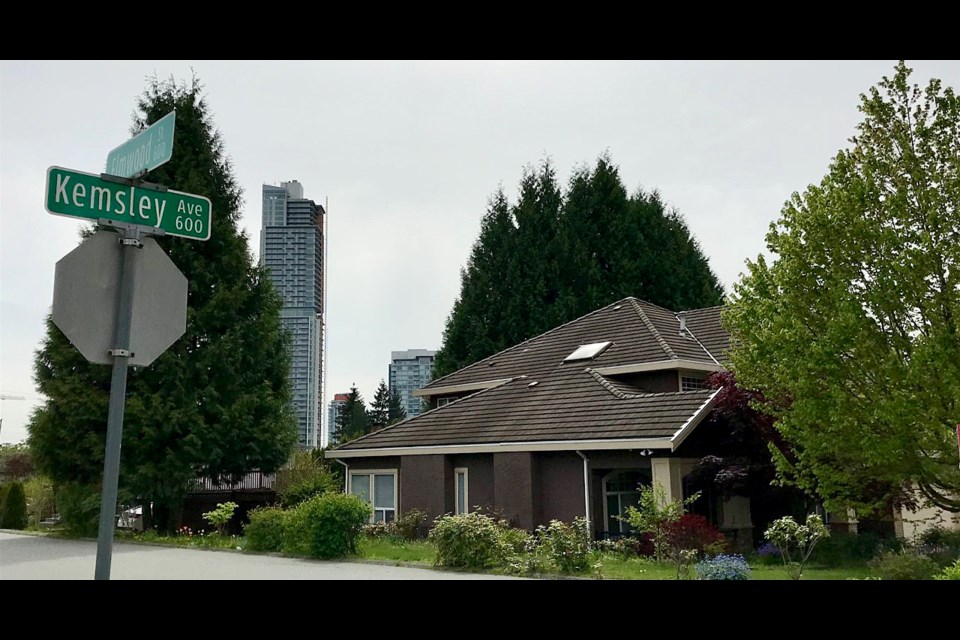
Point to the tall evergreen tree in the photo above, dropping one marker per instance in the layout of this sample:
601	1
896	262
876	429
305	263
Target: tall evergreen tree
553	257
379	414
395	409
352	421
216	403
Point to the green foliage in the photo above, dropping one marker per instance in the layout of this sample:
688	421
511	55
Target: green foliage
796	541
851	331
654	515
16	463
217	402
567	545
840	550
950	573
184	538
554	257
303	477
221	516
14	507
410	525
471	541
903	565
378	416
396	412
79	509
41	500
266	528
325	526
351	421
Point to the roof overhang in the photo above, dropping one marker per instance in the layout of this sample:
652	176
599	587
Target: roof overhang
505	447
426	392
607	444
660	365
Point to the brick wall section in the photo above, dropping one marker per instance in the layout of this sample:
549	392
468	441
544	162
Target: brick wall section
425	482
513	487
559	492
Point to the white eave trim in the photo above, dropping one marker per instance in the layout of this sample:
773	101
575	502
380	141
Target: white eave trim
694	420
426	392
660	365
504	447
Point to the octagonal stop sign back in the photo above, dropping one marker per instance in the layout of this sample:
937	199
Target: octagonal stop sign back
85	292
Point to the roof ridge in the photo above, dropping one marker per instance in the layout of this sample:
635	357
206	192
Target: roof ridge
697	340
716	306
653	329
539	335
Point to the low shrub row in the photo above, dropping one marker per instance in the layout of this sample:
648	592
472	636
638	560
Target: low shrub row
324	526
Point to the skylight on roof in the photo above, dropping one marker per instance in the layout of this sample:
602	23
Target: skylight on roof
588	351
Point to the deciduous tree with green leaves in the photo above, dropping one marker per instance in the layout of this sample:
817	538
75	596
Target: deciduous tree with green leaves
216	403
850	331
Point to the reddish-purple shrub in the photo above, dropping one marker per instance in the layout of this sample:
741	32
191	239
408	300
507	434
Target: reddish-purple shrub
694	532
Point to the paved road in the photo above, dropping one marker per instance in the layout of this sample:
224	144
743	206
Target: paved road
24	557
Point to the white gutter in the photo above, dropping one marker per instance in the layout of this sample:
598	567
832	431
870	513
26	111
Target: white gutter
346	475
586	489
694	420
503	447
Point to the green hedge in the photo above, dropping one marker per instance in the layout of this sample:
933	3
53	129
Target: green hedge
266	528
325	526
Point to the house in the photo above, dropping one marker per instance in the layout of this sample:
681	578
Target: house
565	424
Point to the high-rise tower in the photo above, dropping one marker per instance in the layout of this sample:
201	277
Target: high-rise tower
291	248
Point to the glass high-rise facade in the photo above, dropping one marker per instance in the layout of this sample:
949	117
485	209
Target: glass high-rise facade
410	370
291	248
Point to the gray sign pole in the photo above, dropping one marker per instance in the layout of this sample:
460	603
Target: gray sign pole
130	257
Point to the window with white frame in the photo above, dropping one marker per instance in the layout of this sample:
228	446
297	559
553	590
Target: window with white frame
692	382
379	488
461	491
442	402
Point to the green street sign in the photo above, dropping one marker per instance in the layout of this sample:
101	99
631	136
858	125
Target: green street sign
145	151
86	195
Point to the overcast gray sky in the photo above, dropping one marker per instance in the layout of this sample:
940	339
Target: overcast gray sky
408	153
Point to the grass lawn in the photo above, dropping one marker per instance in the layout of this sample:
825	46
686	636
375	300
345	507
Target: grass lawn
203	540
616	567
420	552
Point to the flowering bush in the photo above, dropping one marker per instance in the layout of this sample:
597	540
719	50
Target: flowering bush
471	541
723	567
568	545
796	541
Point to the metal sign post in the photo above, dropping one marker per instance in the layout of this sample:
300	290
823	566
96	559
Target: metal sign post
130	258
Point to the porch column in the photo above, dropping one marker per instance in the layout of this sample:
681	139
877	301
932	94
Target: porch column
667	473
